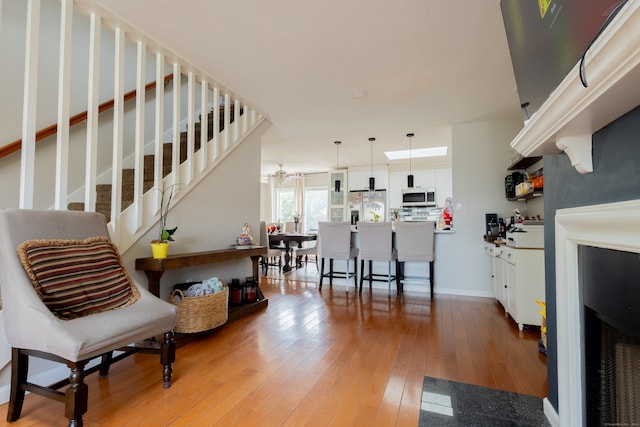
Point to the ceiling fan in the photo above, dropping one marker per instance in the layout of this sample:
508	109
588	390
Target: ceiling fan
280	175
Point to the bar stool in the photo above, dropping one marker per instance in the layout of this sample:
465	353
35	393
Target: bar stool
415	243
335	242
376	244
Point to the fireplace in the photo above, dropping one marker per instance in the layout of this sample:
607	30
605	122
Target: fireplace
597	250
611	332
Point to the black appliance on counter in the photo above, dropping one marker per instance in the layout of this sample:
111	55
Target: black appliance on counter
491	223
511	181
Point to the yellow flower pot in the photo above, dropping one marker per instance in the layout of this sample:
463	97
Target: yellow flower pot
160	249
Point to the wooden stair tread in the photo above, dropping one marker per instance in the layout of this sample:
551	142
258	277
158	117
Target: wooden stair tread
103	191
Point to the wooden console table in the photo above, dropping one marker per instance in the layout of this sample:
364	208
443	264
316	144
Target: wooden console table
154	268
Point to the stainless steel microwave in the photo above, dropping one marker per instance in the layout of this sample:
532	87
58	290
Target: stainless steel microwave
419	197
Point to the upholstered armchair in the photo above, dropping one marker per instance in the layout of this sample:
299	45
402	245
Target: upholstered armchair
66	297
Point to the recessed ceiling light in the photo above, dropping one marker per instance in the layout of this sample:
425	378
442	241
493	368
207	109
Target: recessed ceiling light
359	94
416	153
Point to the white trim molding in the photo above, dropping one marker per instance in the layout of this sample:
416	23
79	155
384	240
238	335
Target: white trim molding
611	226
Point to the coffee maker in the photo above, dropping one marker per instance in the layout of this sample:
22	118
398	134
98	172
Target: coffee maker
491	224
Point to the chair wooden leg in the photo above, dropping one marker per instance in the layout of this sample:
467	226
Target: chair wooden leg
361	270
355	284
400	273
167	357
389	279
330	271
431	277
321	273
355	269
19	370
76	395
105	364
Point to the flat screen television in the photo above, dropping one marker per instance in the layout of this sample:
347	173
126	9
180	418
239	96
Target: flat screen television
547	38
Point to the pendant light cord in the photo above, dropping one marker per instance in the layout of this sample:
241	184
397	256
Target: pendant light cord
370	139
410	152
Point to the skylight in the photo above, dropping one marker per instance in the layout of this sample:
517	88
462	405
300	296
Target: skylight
416	153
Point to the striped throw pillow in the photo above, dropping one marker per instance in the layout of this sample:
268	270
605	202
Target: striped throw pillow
77	277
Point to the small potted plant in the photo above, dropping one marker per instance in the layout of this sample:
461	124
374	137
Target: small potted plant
160	246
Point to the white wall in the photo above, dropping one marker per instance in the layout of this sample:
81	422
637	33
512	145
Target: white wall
211	217
479	166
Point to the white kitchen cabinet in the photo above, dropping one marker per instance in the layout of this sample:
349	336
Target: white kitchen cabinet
523	278
338	201
518	280
500	275
496	271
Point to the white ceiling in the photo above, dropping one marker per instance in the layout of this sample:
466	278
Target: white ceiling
425	65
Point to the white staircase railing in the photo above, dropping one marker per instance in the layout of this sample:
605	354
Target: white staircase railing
191	92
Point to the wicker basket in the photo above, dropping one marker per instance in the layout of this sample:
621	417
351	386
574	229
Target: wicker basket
197	314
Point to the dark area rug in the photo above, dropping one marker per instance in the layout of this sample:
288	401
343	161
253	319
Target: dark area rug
450	403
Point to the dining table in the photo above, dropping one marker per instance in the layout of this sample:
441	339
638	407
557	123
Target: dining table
287	241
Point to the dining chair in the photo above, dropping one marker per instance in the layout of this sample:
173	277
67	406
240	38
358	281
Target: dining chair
273	257
335	241
67	298
376	244
305	251
414	243
289	227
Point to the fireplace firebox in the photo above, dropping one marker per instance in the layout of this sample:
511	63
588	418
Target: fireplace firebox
610	284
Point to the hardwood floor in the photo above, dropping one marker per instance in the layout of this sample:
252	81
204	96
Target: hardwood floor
316	359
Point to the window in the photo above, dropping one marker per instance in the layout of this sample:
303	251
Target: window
284	202
315	207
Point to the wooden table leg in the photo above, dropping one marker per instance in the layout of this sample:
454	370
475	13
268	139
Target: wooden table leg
153	280
255	264
287	257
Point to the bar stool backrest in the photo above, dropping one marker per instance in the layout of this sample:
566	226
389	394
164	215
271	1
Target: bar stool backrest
375	241
335	240
414	241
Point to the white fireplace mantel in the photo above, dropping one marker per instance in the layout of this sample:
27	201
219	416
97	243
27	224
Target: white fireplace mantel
572	113
611	226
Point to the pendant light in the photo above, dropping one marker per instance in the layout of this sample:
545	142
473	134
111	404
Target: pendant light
372	180
410	176
336	187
